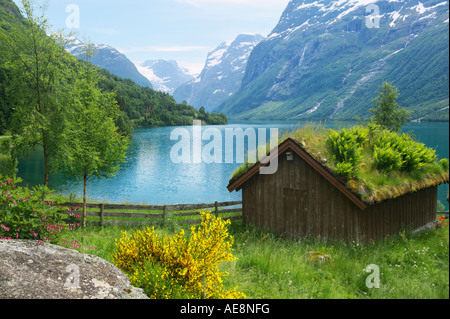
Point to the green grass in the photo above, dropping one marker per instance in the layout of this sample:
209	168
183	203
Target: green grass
270	267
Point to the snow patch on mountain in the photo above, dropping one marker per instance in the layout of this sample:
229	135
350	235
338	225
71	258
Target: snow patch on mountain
222	75
287	69
108	58
165	75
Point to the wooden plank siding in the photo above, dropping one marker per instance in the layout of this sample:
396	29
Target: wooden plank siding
410	211
299	202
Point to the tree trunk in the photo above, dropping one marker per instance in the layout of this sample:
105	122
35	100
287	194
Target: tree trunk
45	162
45	168
84	198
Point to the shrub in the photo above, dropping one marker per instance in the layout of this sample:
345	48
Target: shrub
181	266
360	133
414	155
444	163
387	159
25	213
345	169
346	148
7	165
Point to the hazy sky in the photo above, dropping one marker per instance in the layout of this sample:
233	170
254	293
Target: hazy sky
183	30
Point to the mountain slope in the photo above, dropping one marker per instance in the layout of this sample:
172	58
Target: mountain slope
222	75
323	61
112	60
164	75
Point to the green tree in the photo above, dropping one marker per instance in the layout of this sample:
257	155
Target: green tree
36	62
5	107
124	124
387	113
96	147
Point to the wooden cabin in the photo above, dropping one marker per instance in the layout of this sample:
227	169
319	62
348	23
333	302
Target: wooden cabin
304	199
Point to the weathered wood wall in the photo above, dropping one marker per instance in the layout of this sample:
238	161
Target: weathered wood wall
298	202
410	211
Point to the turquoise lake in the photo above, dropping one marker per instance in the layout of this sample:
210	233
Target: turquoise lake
150	176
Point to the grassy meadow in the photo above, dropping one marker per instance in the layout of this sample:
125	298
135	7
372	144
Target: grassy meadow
270	267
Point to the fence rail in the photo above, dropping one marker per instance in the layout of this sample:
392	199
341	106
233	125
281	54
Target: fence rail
159	214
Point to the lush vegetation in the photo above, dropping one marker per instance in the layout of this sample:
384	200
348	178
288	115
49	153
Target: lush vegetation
270	267
242	261
7	165
387	112
81	115
30	213
146	107
179	266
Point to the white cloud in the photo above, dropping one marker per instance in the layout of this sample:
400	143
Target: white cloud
173	48
105	31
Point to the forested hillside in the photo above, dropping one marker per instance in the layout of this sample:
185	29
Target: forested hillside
139	106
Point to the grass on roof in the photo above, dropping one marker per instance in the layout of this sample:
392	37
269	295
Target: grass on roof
373	163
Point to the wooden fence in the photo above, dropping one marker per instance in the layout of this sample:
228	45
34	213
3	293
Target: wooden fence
134	215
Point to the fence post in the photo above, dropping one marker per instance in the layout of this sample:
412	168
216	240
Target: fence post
164	214
102	212
216	207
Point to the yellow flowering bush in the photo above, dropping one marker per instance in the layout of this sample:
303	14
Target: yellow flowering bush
181	266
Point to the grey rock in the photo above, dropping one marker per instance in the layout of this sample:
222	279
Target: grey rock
33	270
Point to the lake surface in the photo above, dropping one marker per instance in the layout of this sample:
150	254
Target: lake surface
150	176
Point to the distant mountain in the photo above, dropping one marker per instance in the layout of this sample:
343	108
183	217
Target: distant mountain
165	75
222	74
111	60
326	59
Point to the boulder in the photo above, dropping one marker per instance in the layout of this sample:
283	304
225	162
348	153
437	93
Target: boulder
33	270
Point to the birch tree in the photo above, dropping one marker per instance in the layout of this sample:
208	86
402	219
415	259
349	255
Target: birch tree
96	147
37	64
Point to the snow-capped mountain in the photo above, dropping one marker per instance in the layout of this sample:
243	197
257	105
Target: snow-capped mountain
110	59
222	75
326	59
165	75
